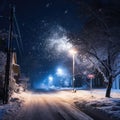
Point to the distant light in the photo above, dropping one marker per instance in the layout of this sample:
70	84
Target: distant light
50	78
59	72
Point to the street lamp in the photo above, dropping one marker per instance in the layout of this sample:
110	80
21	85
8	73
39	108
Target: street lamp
73	52
59	72
50	78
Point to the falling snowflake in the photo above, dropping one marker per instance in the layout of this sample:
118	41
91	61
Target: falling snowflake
43	21
66	11
47	5
59	41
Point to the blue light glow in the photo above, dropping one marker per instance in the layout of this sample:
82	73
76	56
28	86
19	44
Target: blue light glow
50	78
60	72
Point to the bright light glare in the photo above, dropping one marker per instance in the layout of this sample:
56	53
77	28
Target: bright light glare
59	72
73	51
50	78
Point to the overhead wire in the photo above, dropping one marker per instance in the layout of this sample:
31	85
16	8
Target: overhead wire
19	35
17	42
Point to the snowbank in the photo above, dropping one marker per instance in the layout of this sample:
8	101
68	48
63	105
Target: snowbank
95	103
12	107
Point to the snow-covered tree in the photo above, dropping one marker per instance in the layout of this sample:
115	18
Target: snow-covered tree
3	36
99	40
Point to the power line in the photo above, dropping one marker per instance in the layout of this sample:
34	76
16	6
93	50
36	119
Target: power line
17	42
19	34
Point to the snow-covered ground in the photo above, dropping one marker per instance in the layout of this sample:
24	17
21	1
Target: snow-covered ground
94	101
13	106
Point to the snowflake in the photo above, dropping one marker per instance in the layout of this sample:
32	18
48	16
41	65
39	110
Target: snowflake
66	11
47	5
43	21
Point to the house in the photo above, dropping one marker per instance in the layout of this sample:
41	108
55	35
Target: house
19	78
14	73
15	68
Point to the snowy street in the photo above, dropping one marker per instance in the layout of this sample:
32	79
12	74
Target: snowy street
60	60
47	106
64	105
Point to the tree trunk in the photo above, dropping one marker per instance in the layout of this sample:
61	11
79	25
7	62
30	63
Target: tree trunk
108	91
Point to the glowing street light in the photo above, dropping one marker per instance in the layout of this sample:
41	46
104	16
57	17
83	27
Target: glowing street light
73	52
59	72
50	78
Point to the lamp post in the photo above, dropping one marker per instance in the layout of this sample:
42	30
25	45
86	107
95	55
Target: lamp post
73	52
91	77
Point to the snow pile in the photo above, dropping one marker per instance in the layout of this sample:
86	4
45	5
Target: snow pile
109	106
96	102
9	110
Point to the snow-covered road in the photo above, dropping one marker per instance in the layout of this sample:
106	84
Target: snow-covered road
47	106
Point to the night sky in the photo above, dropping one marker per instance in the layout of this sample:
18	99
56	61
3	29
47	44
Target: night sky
37	19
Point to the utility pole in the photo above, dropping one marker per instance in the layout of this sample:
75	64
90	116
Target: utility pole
8	61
